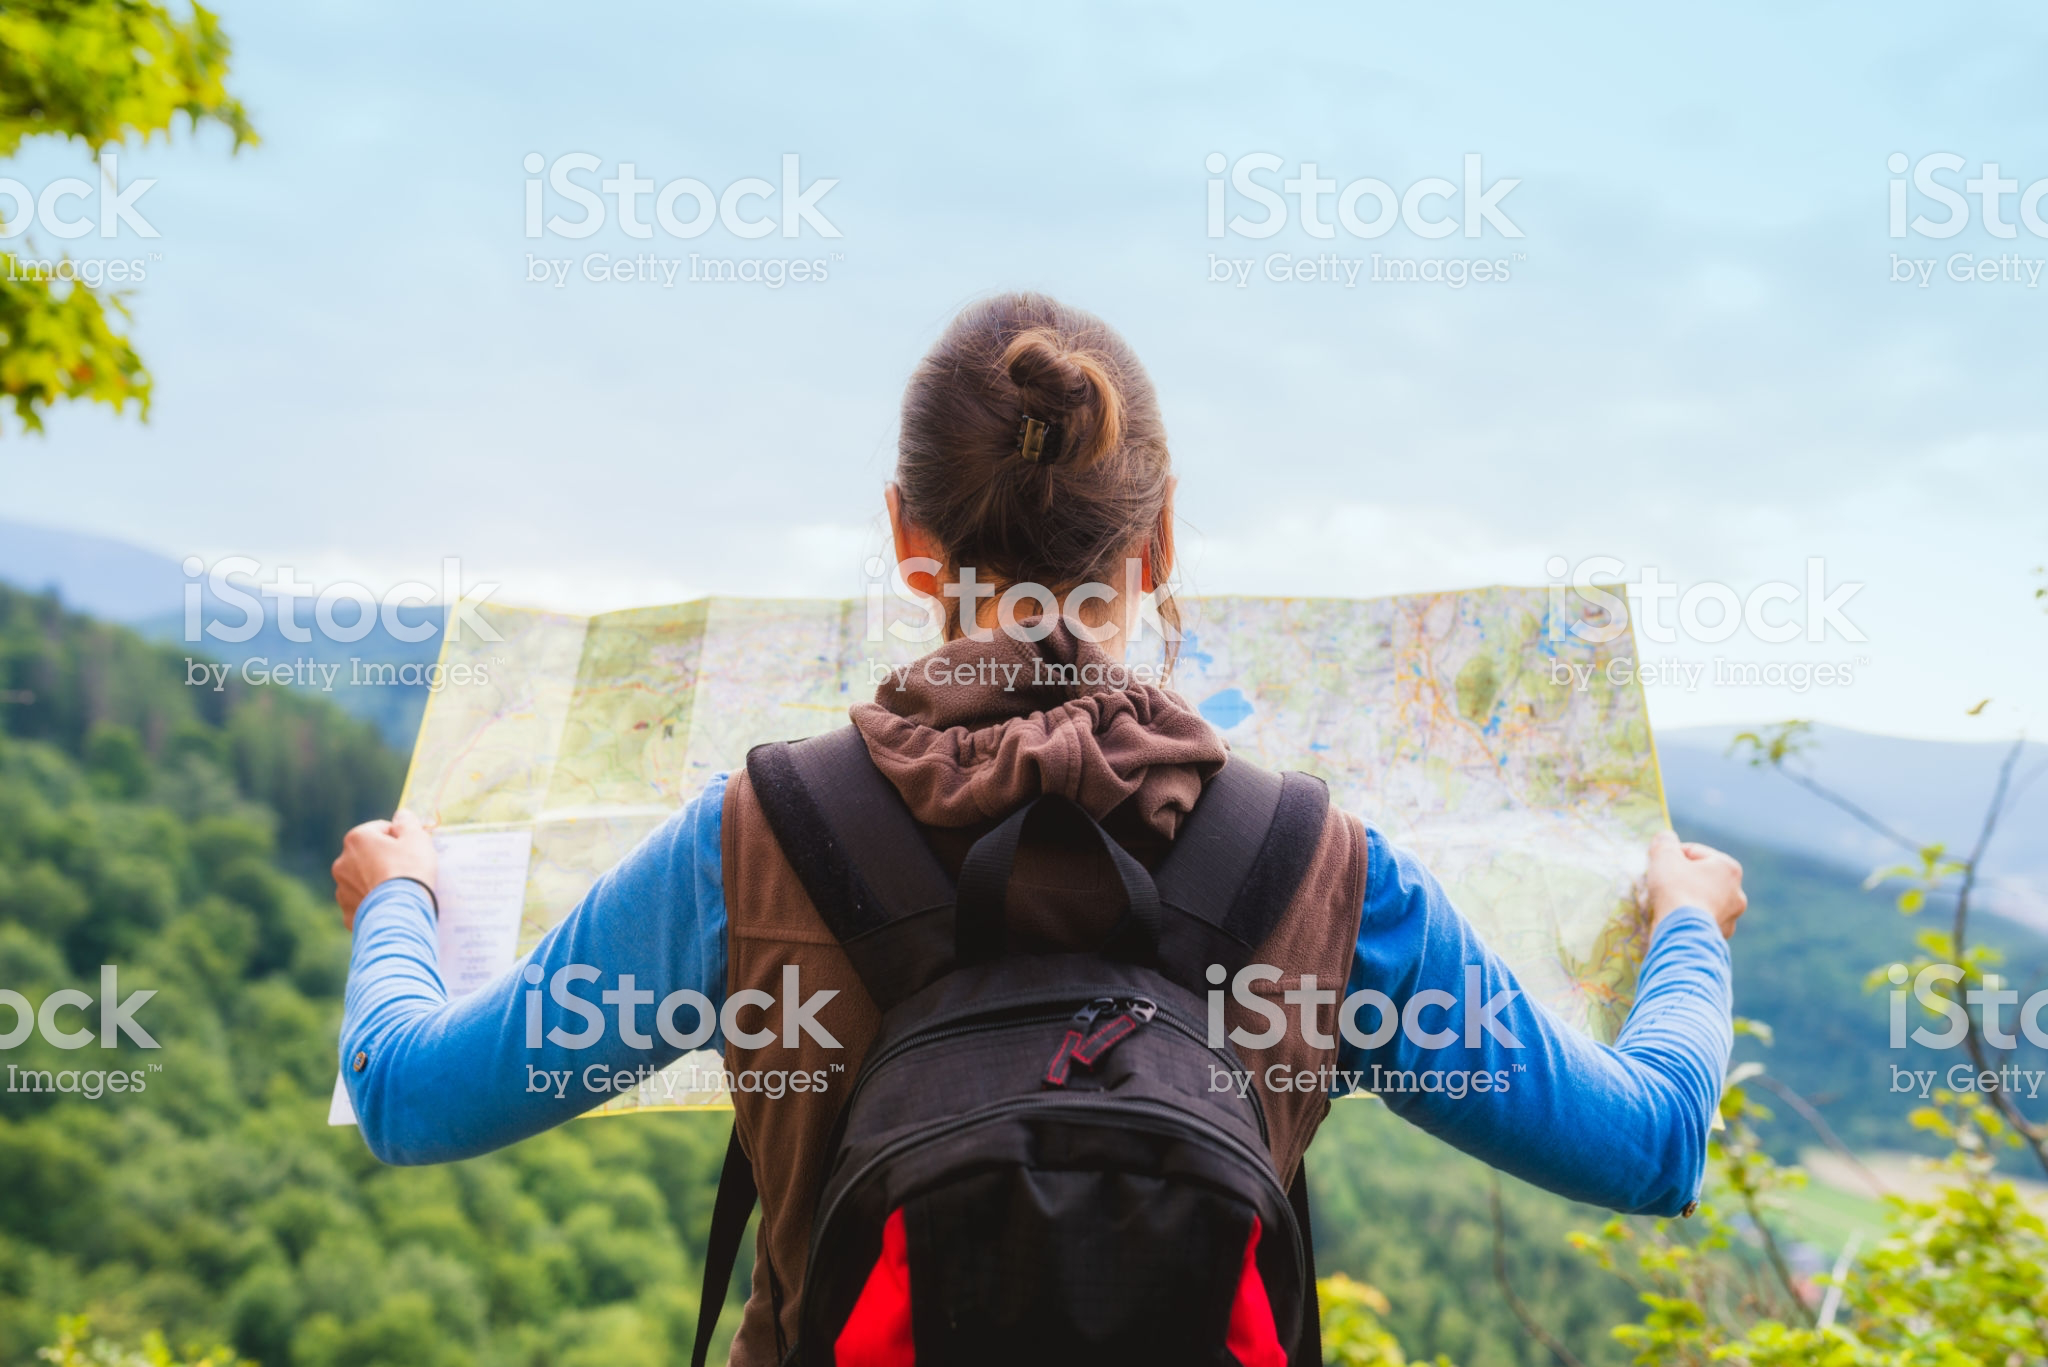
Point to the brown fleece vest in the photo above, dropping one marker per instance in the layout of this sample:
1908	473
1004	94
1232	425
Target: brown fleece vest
1136	758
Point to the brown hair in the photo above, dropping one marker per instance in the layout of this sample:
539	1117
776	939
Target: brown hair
1101	477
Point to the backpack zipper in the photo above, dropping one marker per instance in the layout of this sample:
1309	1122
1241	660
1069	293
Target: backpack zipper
1088	1043
918	1040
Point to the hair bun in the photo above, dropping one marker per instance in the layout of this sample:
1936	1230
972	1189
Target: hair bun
1074	390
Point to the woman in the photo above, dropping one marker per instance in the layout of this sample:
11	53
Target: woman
1032	451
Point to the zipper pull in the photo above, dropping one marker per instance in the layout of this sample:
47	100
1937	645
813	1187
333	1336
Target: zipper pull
1078	1029
1107	1036
1087	1043
1086	1016
1063	1058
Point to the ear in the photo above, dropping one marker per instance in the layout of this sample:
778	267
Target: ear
1158	555
913	543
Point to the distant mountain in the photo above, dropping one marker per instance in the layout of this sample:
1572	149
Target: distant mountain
1930	790
94	574
1803	955
1927	790
146	591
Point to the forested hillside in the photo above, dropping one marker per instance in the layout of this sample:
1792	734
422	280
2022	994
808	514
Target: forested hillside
182	835
1803	959
151	826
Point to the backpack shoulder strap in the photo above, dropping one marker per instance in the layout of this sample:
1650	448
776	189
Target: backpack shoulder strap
1233	869
730	1212
861	857
1235	866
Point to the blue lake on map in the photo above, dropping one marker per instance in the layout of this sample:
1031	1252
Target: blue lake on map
1226	709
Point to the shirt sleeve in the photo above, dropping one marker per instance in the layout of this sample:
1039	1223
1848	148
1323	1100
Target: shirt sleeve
632	979
1463	1053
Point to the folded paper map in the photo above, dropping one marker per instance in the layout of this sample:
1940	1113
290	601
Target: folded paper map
1475	728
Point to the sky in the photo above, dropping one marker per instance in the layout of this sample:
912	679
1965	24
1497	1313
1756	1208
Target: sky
1700	355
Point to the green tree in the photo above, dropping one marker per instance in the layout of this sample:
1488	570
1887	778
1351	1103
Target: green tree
153	826
77	1346
1958	1280
1355	1333
102	73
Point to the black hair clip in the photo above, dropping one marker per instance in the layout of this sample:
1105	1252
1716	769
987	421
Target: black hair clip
1034	436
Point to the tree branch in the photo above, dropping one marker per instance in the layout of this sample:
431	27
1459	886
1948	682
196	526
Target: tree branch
1500	1275
2035	1135
1821	1127
1835	799
1777	1256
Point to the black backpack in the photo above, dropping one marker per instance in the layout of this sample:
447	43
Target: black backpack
1032	1165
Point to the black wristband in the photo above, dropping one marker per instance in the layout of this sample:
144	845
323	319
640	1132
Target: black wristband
432	901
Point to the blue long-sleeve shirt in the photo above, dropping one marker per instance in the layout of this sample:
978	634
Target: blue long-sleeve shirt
433	1079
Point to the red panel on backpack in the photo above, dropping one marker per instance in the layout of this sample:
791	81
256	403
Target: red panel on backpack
1254	1340
877	1333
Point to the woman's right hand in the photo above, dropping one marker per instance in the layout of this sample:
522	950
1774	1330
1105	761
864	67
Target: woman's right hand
379	850
1689	874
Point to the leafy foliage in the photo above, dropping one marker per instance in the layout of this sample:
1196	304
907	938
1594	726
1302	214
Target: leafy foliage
276	757
1959	1279
74	1348
1399	1211
1354	1328
147	825
1956	1280
63	340
155	825
99	72
106	71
